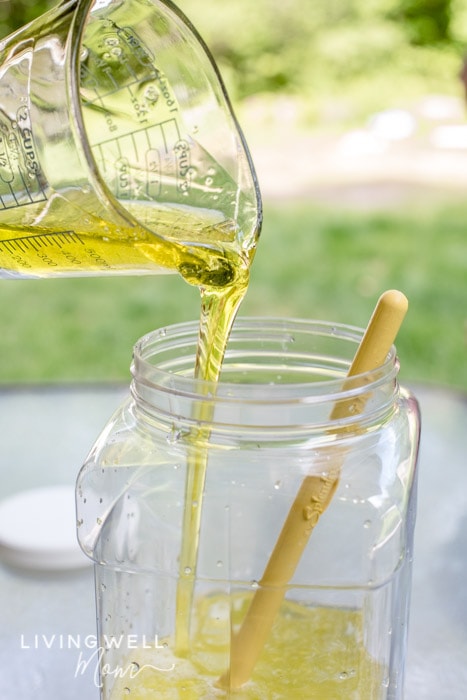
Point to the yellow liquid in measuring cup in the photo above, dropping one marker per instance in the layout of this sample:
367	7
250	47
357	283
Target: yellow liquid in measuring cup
200	247
311	654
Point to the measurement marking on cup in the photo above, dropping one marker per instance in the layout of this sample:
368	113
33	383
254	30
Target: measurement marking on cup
20	193
159	127
100	96
148	150
42	240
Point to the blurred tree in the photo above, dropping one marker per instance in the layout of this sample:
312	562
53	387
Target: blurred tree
16	13
426	21
310	47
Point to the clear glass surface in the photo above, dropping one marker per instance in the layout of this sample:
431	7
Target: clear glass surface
340	626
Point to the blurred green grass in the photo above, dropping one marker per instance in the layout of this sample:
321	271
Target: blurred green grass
314	262
321	262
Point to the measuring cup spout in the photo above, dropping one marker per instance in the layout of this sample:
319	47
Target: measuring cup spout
119	150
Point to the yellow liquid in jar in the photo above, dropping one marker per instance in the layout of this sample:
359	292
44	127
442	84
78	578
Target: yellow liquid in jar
311	654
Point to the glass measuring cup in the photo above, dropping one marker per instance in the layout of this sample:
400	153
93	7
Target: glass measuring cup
119	151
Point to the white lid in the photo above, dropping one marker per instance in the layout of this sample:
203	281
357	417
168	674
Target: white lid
38	530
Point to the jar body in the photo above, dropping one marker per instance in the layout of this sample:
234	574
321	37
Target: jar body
184	497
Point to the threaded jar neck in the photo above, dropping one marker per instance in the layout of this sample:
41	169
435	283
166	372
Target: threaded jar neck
279	377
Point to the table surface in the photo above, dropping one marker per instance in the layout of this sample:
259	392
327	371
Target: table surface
46	433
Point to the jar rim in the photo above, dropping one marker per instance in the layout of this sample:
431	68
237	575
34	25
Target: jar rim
170	374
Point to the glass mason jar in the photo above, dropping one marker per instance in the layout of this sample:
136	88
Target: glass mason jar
250	540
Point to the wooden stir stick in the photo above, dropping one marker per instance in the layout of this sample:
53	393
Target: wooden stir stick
313	498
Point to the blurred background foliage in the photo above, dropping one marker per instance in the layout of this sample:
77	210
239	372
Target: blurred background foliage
337	62
304	46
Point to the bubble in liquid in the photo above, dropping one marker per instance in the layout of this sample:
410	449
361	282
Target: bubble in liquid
344	675
307	513
99	521
187	570
135	667
79	522
220	564
208	181
174	436
127	691
287	340
254	584
277	485
151	94
367	524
